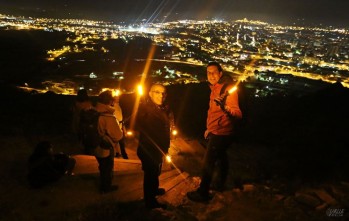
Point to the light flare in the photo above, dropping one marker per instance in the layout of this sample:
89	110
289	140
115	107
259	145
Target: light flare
129	133
174	132
168	159
140	90
233	89
116	93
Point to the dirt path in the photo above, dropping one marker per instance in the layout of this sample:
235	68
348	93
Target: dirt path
77	198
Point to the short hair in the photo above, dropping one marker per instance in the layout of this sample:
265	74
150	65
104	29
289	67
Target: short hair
105	97
82	95
215	63
156	85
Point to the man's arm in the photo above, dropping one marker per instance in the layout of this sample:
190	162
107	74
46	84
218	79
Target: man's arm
232	105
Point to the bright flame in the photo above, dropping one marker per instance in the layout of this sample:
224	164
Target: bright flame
174	132
140	89
168	158
232	89
129	133
144	76
116	93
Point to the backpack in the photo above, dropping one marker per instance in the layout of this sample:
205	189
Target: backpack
88	131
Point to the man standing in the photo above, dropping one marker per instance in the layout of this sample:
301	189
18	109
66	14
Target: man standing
109	131
153	124
119	117
223	108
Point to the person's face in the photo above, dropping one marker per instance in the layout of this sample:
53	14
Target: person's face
213	74
157	94
116	99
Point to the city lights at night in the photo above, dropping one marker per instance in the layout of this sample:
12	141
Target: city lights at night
199	110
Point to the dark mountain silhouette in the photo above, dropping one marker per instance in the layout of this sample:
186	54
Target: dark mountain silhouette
291	138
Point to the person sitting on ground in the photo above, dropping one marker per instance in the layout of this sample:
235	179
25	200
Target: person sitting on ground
46	167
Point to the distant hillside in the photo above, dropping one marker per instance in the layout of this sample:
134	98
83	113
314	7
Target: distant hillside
304	136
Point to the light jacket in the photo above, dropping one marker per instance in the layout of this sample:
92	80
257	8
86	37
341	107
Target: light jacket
108	127
218	122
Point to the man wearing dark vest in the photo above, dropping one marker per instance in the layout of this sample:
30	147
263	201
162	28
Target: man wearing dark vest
153	123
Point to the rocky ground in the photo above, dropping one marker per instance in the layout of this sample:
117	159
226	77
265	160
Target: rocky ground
76	197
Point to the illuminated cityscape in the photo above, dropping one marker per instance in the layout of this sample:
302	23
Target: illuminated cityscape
278	56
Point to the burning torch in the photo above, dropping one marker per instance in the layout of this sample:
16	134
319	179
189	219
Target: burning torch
140	90
168	158
220	101
116	93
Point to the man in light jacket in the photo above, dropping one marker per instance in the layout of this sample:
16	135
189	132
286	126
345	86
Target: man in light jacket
109	130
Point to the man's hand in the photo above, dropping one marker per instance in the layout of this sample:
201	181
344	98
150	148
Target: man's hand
220	101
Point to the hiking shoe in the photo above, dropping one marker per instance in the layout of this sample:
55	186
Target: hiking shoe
198	197
218	188
238	185
160	192
109	190
155	204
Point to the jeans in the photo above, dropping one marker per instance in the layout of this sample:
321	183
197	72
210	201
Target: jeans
215	157
106	166
152	171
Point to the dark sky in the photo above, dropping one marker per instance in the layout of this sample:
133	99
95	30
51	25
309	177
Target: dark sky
333	12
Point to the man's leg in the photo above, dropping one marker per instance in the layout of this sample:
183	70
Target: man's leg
216	153
123	148
105	167
222	162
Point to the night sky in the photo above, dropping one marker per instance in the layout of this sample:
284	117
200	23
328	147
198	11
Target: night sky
329	12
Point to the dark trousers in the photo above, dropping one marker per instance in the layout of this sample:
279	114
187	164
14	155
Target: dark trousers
105	166
123	148
215	158
152	172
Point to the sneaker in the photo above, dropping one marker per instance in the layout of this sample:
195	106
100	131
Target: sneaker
160	192
198	197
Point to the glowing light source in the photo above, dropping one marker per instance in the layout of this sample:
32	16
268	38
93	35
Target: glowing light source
140	89
168	158
129	133
116	93
232	89
174	132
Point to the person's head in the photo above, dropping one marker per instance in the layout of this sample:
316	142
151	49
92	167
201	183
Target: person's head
157	94
214	72
82	95
116	99
42	149
106	97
